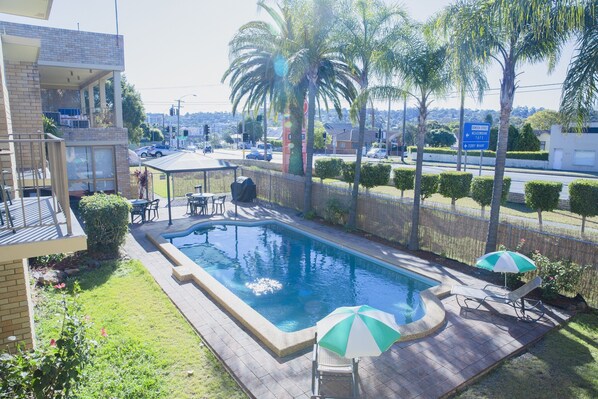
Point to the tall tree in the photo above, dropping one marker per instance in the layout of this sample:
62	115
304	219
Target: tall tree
318	61
367	32
580	88
424	68
510	32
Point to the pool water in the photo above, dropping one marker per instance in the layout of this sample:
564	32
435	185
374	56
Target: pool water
293	279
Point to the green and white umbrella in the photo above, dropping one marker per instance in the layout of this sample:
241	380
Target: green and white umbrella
355	331
506	262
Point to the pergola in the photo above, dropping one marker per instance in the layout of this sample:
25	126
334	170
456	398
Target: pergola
188	162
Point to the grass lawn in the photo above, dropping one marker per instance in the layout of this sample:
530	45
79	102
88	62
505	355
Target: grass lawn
563	365
150	347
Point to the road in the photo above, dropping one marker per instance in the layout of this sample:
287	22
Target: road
518	177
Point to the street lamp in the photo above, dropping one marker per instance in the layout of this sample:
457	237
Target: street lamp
178	116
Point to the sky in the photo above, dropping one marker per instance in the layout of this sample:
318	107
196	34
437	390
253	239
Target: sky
180	47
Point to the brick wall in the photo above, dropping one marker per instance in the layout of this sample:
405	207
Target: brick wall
22	80
113	136
16	310
66	46
7	161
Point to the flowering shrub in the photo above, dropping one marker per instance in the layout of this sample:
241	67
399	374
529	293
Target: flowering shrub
557	276
54	371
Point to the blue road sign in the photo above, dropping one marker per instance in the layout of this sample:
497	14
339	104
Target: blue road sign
476	136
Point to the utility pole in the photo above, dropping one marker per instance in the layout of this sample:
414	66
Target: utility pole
178	122
265	132
388	146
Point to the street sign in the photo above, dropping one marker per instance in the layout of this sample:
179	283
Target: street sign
476	136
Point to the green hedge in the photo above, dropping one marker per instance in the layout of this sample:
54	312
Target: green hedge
106	219
583	199
542	196
348	172
530	155
454	185
328	168
403	179
481	190
374	174
429	185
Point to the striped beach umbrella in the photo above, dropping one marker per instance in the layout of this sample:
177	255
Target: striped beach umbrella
355	331
506	262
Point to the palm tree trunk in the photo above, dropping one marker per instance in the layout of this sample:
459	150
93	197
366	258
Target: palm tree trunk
311	116
421	136
507	93
460	133
265	132
352	223
296	119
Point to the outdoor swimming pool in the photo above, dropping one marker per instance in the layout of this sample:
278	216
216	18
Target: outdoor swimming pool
294	279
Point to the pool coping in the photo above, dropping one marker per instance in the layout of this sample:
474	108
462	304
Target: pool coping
286	343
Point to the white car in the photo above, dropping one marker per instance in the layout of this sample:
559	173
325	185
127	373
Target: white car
162	150
377	153
143	152
191	147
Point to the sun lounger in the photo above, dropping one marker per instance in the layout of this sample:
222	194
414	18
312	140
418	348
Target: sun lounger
328	365
527	310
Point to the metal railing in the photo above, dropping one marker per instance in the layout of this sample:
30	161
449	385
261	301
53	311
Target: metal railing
34	184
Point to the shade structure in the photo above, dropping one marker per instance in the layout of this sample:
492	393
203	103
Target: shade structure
355	331
506	262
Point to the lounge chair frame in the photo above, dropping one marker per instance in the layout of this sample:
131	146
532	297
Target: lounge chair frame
328	365
526	309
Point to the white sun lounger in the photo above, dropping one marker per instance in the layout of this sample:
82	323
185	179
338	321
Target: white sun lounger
530	310
328	365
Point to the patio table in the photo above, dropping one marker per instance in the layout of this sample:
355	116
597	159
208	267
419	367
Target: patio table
138	208
206	196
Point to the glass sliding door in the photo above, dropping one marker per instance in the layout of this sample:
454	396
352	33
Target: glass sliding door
91	169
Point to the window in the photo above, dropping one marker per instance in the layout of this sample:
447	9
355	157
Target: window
91	169
584	158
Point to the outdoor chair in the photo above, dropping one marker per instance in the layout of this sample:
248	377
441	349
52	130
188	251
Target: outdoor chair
139	210
153	206
199	205
532	310
5	189
189	203
218	203
327	365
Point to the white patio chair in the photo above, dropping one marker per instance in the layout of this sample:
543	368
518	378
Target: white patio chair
532	310
330	366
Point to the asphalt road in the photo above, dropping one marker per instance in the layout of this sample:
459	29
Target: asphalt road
518	177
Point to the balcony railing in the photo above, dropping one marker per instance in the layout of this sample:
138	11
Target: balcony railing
34	186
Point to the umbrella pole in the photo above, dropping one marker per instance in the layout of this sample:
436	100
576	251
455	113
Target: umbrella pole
505	280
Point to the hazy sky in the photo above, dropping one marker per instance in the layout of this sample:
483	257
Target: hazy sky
179	47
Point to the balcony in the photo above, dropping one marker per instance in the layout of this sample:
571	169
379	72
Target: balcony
36	218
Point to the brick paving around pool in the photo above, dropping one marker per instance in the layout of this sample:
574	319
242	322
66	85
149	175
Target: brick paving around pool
468	345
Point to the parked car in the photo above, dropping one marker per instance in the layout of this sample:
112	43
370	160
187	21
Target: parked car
143	152
258	155
191	147
241	145
377	153
161	150
260	147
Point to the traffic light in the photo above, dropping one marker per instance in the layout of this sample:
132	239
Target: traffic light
173	129
206	131
379	134
185	132
172	111
324	135
245	137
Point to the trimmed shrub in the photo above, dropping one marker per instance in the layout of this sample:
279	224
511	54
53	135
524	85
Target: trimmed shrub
328	168
106	219
561	276
336	212
403	179
481	190
583	199
542	196
429	185
373	175
348	172
454	185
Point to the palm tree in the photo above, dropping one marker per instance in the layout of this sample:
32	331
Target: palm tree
258	71
318	61
580	88
424	67
366	33
510	32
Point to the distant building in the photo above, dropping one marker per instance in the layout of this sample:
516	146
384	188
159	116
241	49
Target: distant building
574	151
346	137
544	137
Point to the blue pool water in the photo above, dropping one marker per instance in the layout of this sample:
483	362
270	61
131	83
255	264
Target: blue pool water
294	280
